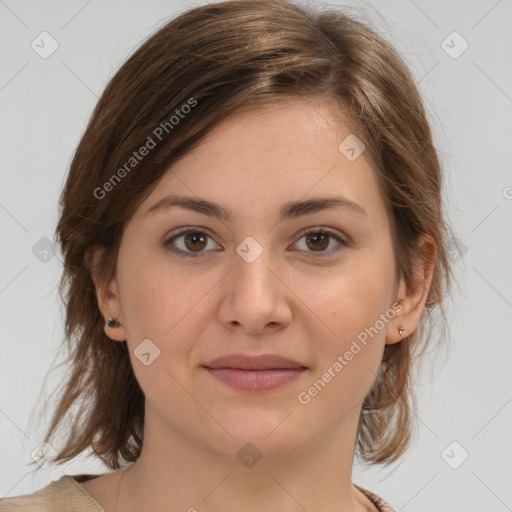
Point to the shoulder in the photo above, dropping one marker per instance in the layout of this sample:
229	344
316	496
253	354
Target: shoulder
380	504
60	495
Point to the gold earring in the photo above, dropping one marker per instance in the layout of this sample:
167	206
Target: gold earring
401	329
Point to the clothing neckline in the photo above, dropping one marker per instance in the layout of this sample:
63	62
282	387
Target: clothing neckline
77	479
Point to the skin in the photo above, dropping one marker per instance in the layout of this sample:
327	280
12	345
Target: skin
288	302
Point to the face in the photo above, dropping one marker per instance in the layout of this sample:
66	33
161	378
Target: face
306	286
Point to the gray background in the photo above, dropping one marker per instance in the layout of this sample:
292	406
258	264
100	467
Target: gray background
464	396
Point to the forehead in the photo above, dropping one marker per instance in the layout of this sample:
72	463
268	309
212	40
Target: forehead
257	160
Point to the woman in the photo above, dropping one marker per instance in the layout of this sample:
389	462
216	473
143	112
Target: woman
253	231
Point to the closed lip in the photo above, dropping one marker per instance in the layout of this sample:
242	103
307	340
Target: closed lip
261	362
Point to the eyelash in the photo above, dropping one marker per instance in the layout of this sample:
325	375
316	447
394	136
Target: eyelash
179	252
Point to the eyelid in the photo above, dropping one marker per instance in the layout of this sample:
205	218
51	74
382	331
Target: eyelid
343	241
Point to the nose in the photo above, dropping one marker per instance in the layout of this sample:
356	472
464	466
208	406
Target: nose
255	297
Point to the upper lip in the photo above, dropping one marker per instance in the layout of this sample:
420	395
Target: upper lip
261	362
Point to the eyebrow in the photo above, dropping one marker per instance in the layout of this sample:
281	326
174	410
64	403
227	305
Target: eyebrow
289	210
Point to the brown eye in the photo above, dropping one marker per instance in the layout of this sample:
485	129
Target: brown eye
319	241
194	241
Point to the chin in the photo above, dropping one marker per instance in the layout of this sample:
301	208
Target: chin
270	431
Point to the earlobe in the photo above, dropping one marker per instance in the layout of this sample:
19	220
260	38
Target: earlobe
107	296
413	296
392	338
115	330
111	310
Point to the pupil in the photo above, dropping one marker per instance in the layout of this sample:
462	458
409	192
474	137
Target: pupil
316	236
194	237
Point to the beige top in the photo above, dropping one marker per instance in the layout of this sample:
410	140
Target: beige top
67	495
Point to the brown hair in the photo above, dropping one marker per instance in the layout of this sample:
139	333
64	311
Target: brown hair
220	59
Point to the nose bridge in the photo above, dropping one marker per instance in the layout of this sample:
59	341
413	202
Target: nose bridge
252	270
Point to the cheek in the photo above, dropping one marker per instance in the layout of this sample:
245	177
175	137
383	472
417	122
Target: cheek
350	307
349	351
160	304
155	293
354	298
166	308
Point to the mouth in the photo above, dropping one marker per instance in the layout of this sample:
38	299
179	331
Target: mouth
255	373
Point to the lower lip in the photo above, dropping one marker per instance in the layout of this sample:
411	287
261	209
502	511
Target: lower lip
256	380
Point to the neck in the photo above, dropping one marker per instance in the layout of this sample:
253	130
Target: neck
180	473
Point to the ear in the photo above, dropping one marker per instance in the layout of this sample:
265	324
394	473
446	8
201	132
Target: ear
413	296
107	294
